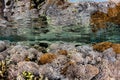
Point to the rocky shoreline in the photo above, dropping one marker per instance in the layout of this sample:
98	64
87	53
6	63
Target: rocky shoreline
59	61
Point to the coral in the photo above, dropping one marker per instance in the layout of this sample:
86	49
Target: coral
102	46
47	58
105	45
27	75
116	48
3	69
63	52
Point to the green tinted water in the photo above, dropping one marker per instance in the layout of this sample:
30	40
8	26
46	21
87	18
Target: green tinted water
36	30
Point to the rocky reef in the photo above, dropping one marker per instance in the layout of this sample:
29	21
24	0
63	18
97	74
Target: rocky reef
61	61
43	40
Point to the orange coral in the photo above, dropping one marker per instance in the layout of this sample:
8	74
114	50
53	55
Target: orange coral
63	52
116	48
47	58
105	45
102	46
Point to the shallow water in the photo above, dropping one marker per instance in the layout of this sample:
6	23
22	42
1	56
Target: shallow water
35	30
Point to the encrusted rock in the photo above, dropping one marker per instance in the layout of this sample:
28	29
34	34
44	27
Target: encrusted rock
28	67
77	57
18	50
109	54
2	46
82	72
15	58
63	52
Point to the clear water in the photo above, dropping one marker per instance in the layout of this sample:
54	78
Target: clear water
36	30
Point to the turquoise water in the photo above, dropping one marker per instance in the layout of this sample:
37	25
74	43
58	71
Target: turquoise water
35	30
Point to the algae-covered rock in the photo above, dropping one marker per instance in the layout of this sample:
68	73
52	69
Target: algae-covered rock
105	45
47	58
116	48
102	46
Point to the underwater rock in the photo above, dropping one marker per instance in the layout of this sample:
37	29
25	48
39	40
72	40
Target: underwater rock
33	54
1	57
16	58
83	72
63	52
77	57
2	46
52	70
108	70
19	49
110	55
28	67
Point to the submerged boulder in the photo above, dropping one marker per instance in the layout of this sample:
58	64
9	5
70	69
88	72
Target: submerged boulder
2	46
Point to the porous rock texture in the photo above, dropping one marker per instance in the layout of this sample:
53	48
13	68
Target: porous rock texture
78	62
